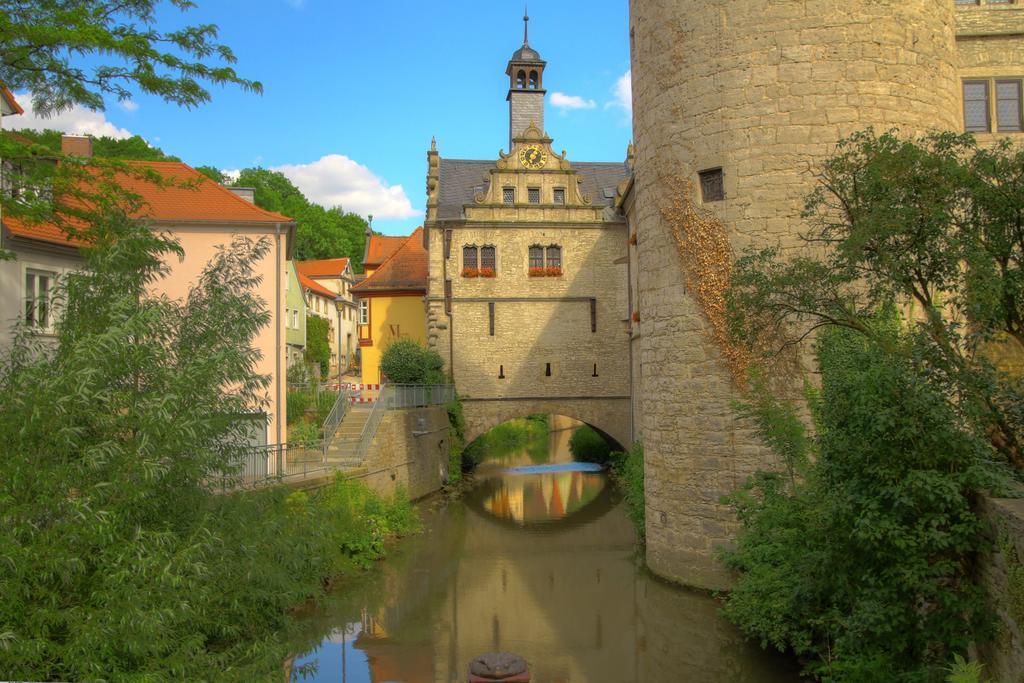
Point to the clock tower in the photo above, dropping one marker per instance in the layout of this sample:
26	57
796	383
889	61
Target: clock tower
526	88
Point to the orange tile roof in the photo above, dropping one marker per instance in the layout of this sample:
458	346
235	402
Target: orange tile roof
190	197
380	247
331	267
405	270
313	286
9	96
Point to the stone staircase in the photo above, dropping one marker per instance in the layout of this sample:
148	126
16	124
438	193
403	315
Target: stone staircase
343	451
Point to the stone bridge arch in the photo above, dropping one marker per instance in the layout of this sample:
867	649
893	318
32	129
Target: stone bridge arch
607	415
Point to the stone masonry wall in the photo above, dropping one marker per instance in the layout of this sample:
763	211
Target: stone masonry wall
1001	573
410	450
763	90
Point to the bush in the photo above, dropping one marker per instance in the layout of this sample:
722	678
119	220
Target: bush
318	348
406	361
589	446
325	401
858	558
510	439
304	434
628	471
298	401
456	438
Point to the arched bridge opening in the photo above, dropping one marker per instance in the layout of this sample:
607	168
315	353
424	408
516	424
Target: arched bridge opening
608	416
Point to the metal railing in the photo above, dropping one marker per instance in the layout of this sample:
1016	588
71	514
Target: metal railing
417	395
372	422
334	418
256	465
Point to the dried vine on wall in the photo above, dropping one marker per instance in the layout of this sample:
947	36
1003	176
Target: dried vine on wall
707	265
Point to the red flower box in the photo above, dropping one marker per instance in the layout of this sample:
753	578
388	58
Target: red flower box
486	272
537	272
470	272
553	271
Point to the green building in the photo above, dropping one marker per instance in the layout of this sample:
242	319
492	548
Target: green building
295	318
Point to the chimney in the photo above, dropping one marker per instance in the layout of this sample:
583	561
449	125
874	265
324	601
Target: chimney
246	193
76	145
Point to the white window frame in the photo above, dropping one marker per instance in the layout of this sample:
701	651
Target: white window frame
364	311
51	275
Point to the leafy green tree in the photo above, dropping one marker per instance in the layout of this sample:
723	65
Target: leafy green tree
318	348
406	361
214	174
861	563
587	445
319	233
134	148
81	52
933	225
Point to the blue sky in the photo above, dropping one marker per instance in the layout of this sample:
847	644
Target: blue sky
353	92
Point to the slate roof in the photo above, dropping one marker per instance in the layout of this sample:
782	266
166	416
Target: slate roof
190	197
331	267
404	271
460	178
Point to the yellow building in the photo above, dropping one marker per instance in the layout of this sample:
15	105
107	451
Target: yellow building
391	297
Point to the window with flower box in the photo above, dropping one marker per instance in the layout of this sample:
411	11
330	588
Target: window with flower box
470	261
488	261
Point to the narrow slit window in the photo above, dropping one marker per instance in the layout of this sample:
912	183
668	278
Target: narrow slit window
547	370
490	316
488	259
536	257
501	372
533	195
508	195
469	257
559	195
712	185
976	117
1008	106
593	316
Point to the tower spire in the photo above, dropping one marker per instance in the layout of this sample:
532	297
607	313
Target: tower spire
526	25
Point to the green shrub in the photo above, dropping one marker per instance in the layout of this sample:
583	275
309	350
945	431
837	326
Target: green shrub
587	445
456	438
298	401
325	401
304	434
628	471
318	348
508	440
858	559
406	361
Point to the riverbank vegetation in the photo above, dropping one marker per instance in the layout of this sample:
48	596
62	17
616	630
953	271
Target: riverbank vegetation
529	435
587	445
120	559
627	469
858	555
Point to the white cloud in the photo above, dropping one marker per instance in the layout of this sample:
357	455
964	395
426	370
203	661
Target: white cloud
623	92
129	105
567	102
76	121
336	180
232	174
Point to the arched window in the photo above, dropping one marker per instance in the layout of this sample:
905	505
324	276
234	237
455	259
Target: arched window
521	79
533	80
536	256
469	259
554	256
487	258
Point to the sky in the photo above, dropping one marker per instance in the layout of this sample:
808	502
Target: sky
353	92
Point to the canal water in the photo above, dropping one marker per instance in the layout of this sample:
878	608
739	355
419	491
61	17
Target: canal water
539	558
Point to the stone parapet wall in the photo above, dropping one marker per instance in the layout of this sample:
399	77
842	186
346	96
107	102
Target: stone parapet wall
763	90
409	450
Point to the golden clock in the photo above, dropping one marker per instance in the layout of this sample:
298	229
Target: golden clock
533	157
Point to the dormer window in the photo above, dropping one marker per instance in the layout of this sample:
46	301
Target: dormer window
508	195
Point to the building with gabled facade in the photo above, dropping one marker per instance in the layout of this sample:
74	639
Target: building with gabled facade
295	318
390	298
202	215
337	276
527	291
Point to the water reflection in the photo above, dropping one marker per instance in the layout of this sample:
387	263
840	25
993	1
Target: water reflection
542	564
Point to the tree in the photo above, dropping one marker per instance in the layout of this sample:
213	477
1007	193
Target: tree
406	361
80	52
933	225
135	147
318	349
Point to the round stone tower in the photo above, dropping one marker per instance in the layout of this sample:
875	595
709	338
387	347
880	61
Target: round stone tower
735	105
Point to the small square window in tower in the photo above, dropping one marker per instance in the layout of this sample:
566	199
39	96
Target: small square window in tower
559	195
712	185
533	195
508	195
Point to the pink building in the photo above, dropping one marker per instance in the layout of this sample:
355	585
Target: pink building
201	215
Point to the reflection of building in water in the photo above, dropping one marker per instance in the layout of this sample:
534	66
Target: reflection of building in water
545	497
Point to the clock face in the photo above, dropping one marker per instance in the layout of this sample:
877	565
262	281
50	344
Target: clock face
533	157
